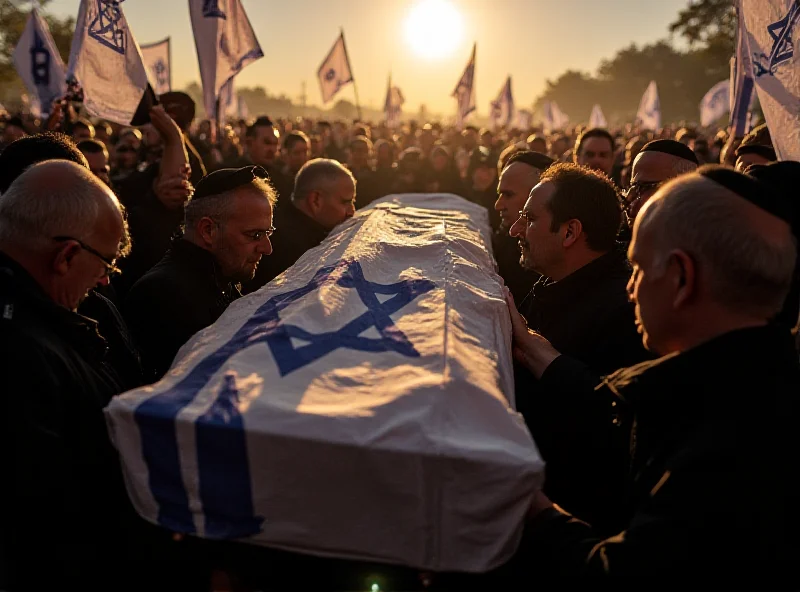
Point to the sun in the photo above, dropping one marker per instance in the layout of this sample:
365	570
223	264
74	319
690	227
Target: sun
433	28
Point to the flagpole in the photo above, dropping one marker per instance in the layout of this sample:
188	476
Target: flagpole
350	64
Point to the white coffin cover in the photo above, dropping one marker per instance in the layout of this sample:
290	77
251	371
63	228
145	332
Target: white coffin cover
353	407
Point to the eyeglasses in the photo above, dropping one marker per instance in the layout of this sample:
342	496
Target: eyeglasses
110	264
529	218
637	189
257	235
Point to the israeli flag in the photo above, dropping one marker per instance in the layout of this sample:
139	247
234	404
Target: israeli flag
741	81
38	62
107	63
225	44
524	119
335	71
715	103
771	33
501	111
464	92
392	106
372	379
231	104
597	119
649	114
553	117
157	62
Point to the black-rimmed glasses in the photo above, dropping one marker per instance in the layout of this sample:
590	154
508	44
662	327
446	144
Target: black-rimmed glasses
110	264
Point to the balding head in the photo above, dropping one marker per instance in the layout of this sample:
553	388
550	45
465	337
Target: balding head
52	219
706	261
325	191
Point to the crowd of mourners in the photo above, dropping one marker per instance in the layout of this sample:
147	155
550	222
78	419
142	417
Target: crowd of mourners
652	280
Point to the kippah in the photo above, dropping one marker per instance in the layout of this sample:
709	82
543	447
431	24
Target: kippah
764	151
533	159
672	147
227	180
763	190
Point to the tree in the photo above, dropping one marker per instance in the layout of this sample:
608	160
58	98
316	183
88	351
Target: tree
13	16
707	24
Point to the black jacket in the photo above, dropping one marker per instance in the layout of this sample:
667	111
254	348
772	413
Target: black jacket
589	320
713	472
65	518
295	234
181	295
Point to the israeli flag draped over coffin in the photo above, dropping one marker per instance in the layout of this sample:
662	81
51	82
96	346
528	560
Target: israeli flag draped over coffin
38	62
353	407
772	31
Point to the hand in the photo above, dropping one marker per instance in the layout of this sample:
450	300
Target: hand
166	126
531	349
173	192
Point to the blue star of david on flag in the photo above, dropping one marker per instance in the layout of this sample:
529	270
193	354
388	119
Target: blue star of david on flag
782	46
156	416
105	26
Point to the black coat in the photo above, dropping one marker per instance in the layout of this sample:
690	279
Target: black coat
65	520
295	234
589	320
713	472
181	295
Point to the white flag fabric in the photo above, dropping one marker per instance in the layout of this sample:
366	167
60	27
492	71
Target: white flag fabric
107	62
715	103
243	109
38	62
157	62
597	118
741	80
553	117
228	105
225	44
501	110
649	114
771	30
464	92
393	105
524	119
335	71
367	383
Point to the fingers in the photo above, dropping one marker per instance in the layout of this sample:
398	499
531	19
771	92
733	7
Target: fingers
518	323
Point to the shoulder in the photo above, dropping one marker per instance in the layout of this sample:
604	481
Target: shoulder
624	377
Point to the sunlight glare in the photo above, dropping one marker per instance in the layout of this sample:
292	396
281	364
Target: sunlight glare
433	28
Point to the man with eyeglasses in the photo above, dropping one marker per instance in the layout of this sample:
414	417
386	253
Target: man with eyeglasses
583	327
61	232
227	224
657	162
324	197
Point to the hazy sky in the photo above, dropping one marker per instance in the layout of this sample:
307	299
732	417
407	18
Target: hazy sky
532	40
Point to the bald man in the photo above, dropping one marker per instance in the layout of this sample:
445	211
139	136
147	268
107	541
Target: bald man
714	449
64	515
657	162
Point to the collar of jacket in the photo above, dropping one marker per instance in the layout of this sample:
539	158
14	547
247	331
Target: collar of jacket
201	262
575	285
293	219
19	291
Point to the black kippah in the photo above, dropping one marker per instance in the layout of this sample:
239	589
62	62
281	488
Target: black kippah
672	147
533	159
764	151
762	189
227	180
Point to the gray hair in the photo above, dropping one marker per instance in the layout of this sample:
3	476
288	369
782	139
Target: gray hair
747	270
218	207
681	166
52	198
318	175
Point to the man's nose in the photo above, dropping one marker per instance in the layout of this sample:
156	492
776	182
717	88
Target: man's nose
515	229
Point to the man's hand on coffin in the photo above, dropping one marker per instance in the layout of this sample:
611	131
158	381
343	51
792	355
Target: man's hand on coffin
531	349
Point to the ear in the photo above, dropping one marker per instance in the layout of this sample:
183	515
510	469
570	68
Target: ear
683	272
314	201
63	260
573	230
207	229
